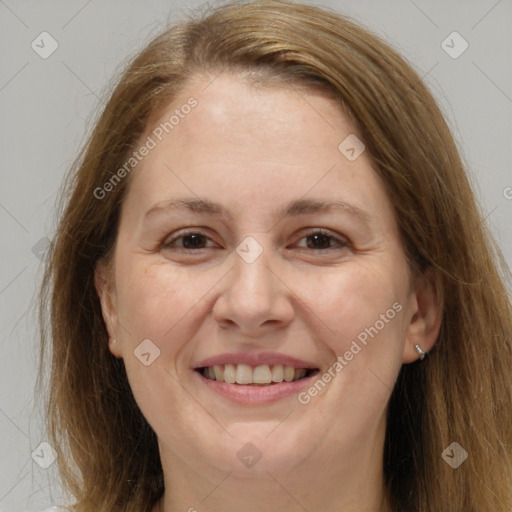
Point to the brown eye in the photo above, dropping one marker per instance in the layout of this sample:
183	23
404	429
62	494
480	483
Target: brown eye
323	240
191	240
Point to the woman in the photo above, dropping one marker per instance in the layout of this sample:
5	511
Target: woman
271	286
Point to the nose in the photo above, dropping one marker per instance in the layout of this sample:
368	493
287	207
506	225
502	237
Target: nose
254	298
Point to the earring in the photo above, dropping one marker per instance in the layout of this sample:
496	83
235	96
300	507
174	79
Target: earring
420	352
114	341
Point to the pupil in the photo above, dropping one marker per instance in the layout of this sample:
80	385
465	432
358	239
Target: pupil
317	237
194	244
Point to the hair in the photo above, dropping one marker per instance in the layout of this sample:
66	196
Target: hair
108	454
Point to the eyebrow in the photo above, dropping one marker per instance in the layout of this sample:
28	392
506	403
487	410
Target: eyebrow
292	209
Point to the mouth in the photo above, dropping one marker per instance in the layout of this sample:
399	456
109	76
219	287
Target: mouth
262	375
248	385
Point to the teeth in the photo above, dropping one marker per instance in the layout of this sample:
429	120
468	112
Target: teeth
219	375
289	373
245	374
229	373
262	375
277	373
299	374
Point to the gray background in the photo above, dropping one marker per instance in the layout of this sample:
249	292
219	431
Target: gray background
48	106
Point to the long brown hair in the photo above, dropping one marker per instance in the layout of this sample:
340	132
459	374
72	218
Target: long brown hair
462	391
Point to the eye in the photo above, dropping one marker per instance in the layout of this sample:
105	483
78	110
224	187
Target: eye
190	240
321	240
318	240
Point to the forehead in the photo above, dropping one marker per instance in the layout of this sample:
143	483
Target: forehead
244	143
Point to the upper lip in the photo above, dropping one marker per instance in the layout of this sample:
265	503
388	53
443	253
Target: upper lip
253	359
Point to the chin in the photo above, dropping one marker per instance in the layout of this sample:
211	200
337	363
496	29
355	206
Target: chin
258	448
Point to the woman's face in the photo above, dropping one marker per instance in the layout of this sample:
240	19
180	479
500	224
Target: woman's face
255	273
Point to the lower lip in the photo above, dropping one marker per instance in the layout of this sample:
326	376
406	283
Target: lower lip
254	394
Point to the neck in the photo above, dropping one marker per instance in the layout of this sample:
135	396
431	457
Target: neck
351	480
271	495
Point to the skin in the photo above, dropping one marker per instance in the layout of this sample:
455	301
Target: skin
253	149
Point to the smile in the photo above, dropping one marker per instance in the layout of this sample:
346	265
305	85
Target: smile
259	375
245	384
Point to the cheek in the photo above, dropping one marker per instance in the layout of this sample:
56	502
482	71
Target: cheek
364	310
168	304
155	307
146	301
353	299
161	301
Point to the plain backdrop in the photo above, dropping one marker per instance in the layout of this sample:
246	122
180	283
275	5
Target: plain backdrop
48	104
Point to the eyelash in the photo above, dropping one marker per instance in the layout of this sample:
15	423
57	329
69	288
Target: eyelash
169	244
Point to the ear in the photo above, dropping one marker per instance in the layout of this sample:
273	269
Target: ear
103	282
425	316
